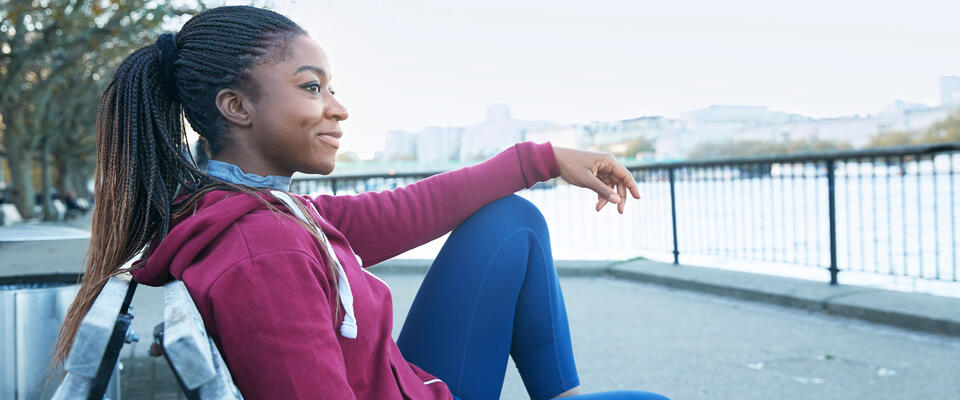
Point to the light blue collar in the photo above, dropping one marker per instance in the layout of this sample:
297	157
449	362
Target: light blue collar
233	174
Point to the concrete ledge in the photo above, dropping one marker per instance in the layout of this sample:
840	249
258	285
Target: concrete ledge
919	312
564	267
42	257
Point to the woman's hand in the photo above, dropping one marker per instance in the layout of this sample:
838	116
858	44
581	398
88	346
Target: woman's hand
599	172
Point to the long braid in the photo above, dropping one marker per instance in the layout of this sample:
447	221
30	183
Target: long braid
143	158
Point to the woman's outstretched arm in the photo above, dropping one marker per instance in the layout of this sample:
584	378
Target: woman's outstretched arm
381	225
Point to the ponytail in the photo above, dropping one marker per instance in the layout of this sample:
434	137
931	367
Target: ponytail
143	158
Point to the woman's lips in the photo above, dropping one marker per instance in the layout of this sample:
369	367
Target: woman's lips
330	140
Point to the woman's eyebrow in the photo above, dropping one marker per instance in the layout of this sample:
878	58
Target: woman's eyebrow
312	68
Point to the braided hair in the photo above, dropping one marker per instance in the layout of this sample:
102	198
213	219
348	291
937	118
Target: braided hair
143	160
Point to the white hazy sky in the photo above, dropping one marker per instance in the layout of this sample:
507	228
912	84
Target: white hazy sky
410	64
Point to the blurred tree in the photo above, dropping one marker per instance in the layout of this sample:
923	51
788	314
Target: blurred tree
754	148
55	58
347	156
626	149
638	145
944	131
889	139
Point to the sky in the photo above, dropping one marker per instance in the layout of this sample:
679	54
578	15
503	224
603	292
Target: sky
410	64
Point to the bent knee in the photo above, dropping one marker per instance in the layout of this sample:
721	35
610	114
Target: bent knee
514	210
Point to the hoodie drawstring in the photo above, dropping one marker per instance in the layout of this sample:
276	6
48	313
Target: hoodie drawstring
349	326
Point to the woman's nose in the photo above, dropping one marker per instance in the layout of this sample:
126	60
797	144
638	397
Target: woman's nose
336	110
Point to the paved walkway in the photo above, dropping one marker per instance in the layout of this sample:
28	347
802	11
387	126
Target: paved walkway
657	337
688	345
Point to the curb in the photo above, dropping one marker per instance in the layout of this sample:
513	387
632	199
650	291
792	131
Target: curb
912	311
564	267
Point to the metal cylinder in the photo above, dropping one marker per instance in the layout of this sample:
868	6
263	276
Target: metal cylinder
32	308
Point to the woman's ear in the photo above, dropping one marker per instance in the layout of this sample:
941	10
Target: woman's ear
234	107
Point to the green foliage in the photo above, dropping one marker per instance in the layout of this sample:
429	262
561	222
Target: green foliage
56	56
627	149
945	131
891	139
754	148
347	156
638	145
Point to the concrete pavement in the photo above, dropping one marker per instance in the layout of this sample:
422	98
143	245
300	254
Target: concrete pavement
690	345
684	344
686	332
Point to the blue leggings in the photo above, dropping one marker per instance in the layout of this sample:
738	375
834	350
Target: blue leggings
493	292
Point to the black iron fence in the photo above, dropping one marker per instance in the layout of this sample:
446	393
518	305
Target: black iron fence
890	212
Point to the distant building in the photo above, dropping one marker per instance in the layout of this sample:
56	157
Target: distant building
716	123
467	143
497	132
725	123
438	144
401	146
672	139
601	133
572	136
950	91
858	130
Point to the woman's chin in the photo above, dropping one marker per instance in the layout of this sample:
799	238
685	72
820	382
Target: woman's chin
325	168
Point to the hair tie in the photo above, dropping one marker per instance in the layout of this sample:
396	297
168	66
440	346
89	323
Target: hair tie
167	43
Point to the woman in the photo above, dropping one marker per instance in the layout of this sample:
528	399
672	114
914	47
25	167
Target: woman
280	280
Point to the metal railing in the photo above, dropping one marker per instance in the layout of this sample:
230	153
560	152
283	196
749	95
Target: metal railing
889	211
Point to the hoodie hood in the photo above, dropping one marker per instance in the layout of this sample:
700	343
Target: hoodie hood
166	259
216	211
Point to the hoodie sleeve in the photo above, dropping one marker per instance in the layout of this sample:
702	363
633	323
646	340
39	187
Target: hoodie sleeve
381	225
276	333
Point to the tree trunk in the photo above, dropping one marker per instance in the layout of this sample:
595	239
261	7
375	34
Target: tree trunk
62	168
79	180
21	180
83	179
49	213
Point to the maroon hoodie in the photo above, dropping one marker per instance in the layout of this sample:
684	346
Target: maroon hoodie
267	295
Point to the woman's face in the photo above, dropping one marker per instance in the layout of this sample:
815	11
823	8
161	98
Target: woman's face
295	120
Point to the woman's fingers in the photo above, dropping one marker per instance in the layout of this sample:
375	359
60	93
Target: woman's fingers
622	191
601	201
626	178
620	174
606	192
620	185
604	175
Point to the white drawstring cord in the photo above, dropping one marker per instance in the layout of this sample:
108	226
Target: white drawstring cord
349	326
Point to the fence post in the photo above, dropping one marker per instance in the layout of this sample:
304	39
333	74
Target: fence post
832	207
673	216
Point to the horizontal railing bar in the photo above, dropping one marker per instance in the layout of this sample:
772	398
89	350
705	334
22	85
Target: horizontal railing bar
370	175
918	150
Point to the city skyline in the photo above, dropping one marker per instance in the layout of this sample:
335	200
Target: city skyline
671	138
898	105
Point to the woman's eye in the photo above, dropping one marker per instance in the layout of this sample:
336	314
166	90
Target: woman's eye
313	87
316	88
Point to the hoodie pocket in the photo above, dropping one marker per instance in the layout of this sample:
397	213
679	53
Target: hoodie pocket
416	384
